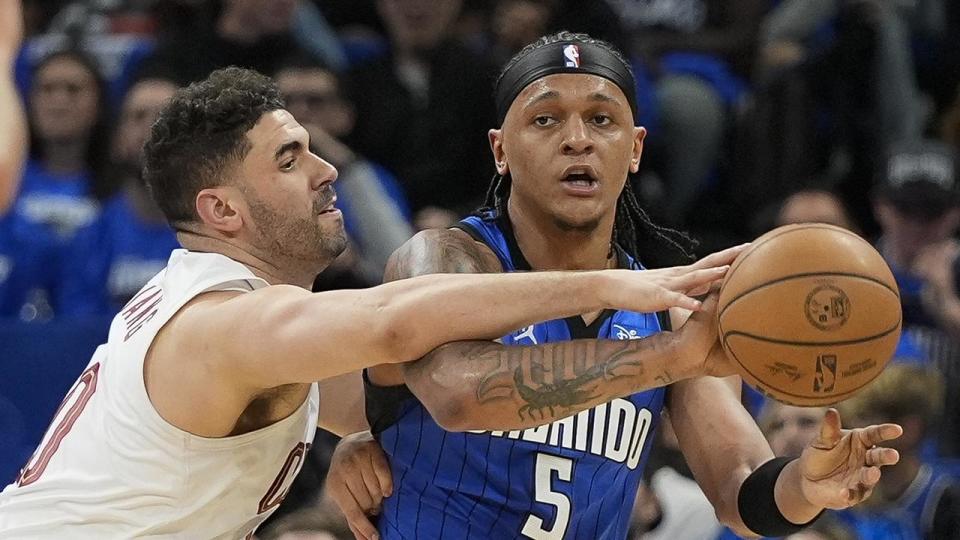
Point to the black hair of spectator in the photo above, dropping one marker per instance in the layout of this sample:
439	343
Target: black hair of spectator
97	156
633	230
201	134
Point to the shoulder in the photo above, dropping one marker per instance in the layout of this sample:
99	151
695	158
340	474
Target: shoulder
435	251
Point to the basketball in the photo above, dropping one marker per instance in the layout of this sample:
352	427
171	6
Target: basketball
809	314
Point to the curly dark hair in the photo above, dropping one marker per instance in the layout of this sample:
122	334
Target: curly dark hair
200	134
633	230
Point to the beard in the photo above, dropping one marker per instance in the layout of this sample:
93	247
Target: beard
304	239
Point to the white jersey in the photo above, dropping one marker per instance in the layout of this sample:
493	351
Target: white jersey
109	466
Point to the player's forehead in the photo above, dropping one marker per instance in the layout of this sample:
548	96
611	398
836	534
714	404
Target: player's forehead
571	89
274	129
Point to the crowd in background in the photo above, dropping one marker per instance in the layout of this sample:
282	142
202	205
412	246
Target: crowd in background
759	113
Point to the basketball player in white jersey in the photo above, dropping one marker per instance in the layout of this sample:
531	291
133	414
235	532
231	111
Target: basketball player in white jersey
194	417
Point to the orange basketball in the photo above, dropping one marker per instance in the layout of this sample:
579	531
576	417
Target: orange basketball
809	314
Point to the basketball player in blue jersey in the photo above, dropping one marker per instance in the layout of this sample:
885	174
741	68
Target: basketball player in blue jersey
544	435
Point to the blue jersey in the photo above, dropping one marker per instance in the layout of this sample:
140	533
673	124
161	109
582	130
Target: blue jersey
574	478
111	259
914	515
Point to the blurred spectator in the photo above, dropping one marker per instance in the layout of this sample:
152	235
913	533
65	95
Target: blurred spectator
814	206
374	210
836	87
696	53
789	429
424	109
68	145
914	499
685	512
515	23
246	33
918	208
111	259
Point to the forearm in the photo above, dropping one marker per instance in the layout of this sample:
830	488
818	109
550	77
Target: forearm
13	136
428	311
720	441
790	499
486	385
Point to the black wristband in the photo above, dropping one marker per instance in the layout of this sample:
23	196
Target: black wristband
757	505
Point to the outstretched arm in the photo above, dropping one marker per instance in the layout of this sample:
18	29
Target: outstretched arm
13	129
486	385
725	448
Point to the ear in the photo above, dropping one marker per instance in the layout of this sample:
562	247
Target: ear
219	208
496	146
639	134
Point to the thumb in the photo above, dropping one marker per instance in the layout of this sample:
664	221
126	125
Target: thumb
830	430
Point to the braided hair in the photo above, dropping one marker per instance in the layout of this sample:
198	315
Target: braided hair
633	230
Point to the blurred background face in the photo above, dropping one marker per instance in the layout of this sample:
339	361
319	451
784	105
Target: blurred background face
519	22
814	207
265	16
313	97
140	108
419	25
910	234
789	429
64	101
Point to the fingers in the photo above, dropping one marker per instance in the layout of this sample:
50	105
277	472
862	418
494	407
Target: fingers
382	470
830	430
360	524
720	258
882	457
346	501
697	281
873	435
679	300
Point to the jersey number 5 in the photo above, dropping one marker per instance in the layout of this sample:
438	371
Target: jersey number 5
547	464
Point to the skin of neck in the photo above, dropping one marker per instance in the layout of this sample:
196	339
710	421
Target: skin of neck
263	265
65	157
547	246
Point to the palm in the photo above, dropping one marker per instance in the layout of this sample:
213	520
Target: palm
841	467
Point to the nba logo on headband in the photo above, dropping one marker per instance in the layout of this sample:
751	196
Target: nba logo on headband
571	56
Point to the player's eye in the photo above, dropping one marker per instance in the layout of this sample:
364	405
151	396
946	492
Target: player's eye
543	120
602	119
288	165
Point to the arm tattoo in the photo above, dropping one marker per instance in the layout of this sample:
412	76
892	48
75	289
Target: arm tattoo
551	381
439	252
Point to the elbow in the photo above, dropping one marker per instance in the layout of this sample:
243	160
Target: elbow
728	514
450	414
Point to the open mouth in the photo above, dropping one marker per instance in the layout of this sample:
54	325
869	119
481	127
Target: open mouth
329	208
580	180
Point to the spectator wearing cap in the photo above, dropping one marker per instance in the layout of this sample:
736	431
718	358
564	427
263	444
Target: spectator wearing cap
917	204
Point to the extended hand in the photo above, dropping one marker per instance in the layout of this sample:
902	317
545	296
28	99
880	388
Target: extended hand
841	467
656	290
358	480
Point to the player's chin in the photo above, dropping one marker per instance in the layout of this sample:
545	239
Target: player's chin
584	216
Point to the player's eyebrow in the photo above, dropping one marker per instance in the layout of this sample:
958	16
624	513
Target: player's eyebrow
549	94
291	146
600	96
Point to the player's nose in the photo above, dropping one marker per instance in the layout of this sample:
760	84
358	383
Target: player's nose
324	173
576	137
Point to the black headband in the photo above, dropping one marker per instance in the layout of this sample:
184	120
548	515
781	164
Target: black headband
563	57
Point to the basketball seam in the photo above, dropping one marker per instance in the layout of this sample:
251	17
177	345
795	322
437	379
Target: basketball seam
790	229
804	275
813	343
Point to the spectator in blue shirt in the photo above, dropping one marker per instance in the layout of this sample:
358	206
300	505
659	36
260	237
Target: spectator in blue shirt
130	242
